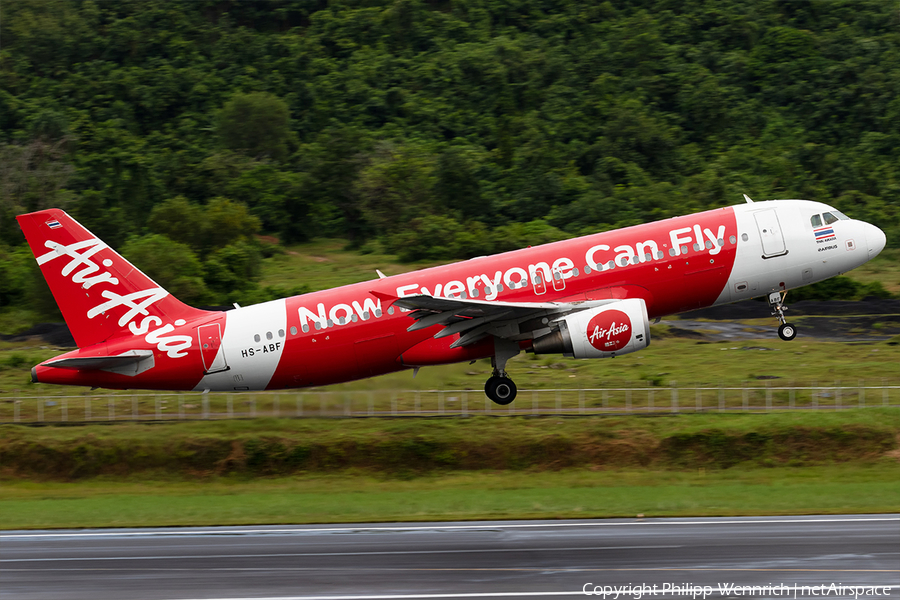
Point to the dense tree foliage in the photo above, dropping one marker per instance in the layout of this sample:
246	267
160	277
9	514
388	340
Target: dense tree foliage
437	128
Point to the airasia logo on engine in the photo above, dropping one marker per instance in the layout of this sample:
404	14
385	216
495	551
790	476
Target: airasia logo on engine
609	331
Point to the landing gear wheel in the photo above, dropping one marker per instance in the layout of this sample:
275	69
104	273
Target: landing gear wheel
787	332
501	390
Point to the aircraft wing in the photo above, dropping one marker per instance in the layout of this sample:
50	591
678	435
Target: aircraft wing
474	319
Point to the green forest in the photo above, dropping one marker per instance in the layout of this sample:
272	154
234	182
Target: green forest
200	136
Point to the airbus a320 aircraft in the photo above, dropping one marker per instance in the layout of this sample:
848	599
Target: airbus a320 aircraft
590	297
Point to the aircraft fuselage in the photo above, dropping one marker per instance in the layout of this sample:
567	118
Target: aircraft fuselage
351	332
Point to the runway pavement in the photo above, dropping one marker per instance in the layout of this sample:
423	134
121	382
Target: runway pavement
644	559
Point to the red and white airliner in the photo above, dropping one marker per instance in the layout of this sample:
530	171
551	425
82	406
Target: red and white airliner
590	297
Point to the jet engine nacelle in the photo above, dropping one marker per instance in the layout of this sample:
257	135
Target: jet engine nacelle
617	328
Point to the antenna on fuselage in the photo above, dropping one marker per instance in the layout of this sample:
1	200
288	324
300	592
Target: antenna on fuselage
747	198
380	274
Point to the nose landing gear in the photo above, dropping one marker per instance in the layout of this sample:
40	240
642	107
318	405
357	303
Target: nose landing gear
786	331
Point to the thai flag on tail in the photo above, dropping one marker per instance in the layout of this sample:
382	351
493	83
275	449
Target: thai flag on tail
823	232
54	224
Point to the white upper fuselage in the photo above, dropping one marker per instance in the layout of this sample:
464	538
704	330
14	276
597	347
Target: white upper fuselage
782	251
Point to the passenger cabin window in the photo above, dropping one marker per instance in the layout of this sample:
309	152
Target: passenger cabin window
829	218
816	221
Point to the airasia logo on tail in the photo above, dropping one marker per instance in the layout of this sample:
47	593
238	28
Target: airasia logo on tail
82	269
609	331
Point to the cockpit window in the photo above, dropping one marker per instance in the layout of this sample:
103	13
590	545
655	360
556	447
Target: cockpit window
841	215
829	218
816	221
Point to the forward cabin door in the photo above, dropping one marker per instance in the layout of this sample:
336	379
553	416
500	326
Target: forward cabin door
770	233
211	351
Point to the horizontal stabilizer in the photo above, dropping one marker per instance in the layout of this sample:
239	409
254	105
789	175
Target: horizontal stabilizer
92	363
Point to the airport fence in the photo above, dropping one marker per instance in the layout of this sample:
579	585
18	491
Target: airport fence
168	406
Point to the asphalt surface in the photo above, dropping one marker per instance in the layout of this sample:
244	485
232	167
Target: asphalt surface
512	559
825	329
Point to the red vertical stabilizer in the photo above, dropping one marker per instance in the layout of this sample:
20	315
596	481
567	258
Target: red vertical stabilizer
101	295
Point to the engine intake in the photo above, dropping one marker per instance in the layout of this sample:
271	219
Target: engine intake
617	328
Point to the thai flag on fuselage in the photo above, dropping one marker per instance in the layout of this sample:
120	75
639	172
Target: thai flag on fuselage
823	233
54	224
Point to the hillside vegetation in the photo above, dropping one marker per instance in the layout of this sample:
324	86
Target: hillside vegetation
429	130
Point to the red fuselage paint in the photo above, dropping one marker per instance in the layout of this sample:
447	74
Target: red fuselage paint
347	333
668	281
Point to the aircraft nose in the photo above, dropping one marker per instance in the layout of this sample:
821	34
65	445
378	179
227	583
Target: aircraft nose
875	240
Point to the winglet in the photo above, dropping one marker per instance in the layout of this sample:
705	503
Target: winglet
747	198
380	274
387	299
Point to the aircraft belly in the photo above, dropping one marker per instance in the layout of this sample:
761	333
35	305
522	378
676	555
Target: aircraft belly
311	361
251	363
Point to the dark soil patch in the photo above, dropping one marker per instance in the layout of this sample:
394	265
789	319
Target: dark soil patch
756	309
55	334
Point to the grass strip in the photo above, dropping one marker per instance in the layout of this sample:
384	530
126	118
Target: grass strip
579	493
415	447
667	362
241	472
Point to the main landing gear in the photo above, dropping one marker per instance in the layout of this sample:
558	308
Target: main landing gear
786	331
499	387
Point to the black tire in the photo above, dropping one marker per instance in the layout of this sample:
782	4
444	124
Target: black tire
501	390
787	332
